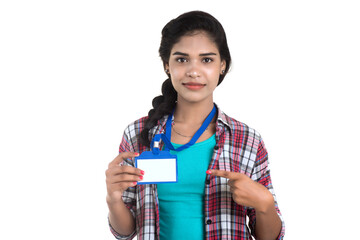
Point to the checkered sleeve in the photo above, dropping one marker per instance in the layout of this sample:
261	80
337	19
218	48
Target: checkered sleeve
129	196
127	145
261	174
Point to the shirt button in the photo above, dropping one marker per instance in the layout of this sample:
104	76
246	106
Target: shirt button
208	221
216	147
207	181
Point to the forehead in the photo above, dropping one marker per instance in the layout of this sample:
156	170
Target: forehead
198	42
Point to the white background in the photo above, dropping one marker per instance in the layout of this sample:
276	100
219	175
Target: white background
75	73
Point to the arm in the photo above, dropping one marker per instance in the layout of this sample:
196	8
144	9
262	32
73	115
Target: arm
249	193
262	220
120	218
118	179
268	224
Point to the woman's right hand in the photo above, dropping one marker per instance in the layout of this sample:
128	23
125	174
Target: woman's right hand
119	178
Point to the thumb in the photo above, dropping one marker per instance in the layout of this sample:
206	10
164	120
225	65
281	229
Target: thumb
120	158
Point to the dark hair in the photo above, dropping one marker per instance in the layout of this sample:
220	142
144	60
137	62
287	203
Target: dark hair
186	24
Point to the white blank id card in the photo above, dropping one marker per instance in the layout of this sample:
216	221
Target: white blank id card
159	170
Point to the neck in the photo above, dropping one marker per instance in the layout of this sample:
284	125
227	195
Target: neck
192	113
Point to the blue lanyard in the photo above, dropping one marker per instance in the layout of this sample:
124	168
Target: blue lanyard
166	138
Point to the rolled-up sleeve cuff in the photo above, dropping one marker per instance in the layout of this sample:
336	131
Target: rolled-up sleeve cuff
118	236
282	232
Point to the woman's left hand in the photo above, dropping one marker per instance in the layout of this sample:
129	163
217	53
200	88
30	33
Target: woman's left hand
245	191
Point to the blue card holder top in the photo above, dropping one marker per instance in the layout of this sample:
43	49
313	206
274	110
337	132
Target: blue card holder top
159	167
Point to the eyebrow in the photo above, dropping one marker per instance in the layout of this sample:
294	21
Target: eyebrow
202	54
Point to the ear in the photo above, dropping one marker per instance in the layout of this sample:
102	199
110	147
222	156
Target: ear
166	68
222	66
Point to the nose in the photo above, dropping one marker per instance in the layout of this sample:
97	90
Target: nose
193	71
192	74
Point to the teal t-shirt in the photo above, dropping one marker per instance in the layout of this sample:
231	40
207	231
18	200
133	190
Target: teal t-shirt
181	204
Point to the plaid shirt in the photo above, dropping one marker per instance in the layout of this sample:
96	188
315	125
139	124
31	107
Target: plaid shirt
238	149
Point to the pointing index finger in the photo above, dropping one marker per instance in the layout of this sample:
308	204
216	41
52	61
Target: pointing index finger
222	173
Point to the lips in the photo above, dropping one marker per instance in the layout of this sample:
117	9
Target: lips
193	85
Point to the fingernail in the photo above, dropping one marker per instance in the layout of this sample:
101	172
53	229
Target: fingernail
134	183
137	154
141	177
142	172
208	172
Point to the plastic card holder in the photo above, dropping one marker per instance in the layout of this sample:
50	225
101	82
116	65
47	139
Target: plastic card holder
159	168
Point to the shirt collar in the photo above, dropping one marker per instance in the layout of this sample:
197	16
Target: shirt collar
222	122
222	118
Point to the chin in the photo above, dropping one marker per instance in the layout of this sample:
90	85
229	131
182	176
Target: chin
195	99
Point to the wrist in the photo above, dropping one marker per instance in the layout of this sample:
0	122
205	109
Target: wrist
111	199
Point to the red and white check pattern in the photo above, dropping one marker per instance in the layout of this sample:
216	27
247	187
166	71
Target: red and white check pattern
238	149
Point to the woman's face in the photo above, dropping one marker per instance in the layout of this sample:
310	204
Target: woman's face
194	66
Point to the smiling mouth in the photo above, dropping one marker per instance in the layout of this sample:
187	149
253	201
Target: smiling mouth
193	86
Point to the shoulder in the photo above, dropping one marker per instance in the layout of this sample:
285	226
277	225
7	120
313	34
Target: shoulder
237	127
239	133
134	128
130	140
131	136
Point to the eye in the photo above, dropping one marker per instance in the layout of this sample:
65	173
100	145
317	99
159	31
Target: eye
181	60
207	60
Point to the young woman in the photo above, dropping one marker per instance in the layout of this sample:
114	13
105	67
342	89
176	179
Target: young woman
222	178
